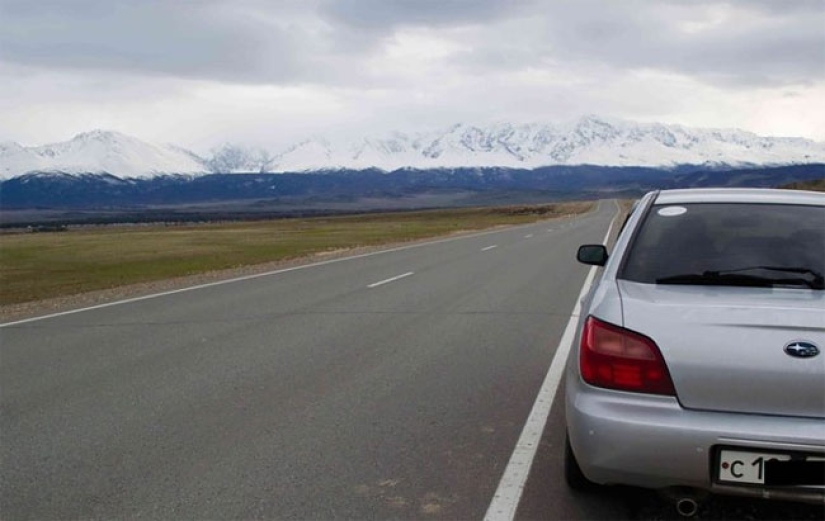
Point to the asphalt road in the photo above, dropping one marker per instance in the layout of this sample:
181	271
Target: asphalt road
393	385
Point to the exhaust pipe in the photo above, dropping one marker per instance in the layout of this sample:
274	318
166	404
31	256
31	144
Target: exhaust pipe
687	500
687	506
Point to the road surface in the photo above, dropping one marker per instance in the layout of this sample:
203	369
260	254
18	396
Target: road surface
391	385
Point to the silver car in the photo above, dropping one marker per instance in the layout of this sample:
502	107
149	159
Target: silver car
698	364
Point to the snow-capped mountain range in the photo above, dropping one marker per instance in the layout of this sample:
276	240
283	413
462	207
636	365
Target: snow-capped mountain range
95	152
589	141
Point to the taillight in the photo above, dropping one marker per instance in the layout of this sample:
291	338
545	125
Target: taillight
616	358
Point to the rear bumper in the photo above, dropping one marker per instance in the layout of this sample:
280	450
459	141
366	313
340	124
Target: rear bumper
651	441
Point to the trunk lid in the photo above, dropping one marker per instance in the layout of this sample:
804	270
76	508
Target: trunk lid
725	346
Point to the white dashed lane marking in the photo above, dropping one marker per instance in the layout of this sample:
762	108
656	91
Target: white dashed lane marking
391	279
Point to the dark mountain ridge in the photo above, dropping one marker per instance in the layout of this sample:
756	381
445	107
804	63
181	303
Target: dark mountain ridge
60	190
104	192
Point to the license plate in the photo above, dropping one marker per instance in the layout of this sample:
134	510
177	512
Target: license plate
745	467
737	466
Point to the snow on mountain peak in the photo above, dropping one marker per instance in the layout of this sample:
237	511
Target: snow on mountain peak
100	135
99	151
230	158
591	139
9	146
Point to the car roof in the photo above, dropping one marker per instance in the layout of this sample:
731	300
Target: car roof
740	195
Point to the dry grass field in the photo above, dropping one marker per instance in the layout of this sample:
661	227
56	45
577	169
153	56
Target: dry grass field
817	185
35	266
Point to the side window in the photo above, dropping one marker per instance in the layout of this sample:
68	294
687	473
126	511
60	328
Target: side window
629	215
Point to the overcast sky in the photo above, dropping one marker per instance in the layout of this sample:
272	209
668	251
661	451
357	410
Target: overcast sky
202	72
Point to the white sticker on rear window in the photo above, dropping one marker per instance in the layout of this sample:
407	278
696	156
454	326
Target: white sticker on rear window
672	211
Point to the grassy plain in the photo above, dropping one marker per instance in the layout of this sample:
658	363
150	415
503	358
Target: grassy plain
817	185
35	266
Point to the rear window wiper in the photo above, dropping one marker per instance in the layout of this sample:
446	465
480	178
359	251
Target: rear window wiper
786	269
817	282
735	278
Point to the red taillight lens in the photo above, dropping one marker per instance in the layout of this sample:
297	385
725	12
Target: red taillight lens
616	358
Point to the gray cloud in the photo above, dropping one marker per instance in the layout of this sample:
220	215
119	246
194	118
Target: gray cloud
207	39
752	45
762	42
384	15
813	7
756	44
256	69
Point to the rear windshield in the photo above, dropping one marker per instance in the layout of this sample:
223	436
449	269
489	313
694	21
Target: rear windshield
729	244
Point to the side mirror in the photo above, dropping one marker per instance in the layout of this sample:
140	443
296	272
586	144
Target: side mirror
592	254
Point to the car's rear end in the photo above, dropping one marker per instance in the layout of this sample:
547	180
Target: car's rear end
697	365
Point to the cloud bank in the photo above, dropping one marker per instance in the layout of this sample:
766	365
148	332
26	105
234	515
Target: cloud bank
205	71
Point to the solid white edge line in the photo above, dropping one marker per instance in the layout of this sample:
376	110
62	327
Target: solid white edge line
391	279
258	275
488	248
505	501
